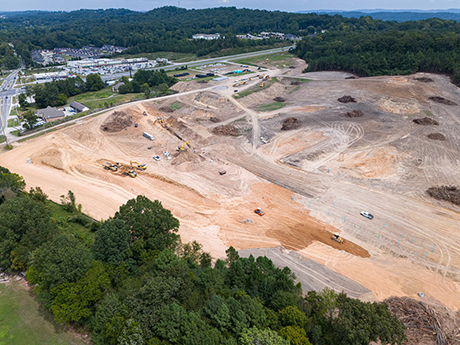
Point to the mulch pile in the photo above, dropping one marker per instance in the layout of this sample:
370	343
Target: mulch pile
117	122
295	82
166	109
426	121
290	123
214	119
351	77
424	79
279	99
227	130
441	100
424	324
446	193
436	136
347	99
354	113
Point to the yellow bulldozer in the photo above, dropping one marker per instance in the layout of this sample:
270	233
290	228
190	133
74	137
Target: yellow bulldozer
130	173
139	166
182	147
337	238
111	166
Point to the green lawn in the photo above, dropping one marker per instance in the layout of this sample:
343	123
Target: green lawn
172	56
13	123
24	322
270	107
277	59
116	99
89	96
2	140
13	112
16	133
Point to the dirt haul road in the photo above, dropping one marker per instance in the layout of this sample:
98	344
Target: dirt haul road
311	182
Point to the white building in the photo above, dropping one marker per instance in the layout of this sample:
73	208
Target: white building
206	36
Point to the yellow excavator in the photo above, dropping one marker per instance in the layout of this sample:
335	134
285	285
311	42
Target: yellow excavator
182	147
139	166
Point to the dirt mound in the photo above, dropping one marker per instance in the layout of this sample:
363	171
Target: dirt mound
295	82
446	193
290	123
214	119
426	121
441	100
354	113
166	109
424	324
347	99
117	122
226	130
424	79
279	99
436	136
351	77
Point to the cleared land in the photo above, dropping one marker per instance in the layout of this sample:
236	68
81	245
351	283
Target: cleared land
311	179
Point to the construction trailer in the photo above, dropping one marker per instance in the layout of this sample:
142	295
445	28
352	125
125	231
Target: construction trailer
148	136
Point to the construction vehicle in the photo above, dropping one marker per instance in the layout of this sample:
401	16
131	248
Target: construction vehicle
259	211
130	173
113	167
337	238
222	172
182	147
144	113
262	84
139	166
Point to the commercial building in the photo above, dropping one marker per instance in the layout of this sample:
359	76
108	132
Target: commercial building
50	114
206	36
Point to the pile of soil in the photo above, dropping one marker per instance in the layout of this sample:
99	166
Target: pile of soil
290	123
279	99
347	99
426	121
227	130
295	82
424	324
354	113
214	119
441	100
166	109
424	79
292	67
446	193
436	136
117	122
351	77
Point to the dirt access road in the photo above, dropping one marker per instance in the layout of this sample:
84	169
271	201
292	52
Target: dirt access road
311	181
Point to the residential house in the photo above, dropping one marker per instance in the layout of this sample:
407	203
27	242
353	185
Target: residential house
50	114
78	107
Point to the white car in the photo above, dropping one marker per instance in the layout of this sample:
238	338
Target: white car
367	215
167	154
157	158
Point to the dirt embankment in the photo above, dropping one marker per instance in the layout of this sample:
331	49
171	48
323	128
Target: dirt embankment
117	122
441	100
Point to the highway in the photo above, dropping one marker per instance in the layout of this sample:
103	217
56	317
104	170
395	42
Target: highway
203	62
7	91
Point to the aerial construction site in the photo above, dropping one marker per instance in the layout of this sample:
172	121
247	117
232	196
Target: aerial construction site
286	164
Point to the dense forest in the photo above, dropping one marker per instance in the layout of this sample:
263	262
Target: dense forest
162	29
130	280
425	46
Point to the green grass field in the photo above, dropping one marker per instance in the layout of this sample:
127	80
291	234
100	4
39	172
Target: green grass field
13	112
89	96
255	88
2	140
277	59
24	322
13	123
270	107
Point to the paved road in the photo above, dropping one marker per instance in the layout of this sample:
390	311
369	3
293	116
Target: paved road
6	96
203	62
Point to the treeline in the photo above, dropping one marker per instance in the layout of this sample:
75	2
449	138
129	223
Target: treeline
162	29
7	58
146	80
132	281
426	46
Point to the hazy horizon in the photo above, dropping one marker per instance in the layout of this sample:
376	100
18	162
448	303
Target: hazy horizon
291	6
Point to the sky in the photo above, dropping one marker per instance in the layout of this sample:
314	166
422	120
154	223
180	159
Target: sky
287	5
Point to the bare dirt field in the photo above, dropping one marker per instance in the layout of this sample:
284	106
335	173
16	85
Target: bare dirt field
311	181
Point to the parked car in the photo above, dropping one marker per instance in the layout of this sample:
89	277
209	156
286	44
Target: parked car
367	215
157	158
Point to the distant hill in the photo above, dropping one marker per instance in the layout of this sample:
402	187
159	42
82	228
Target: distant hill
396	15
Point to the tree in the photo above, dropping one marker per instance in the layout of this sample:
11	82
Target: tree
69	202
61	99
76	301
295	334
111	242
94	82
30	119
26	224
22	98
254	336
38	194
11	184
146	90
149	221
292	316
